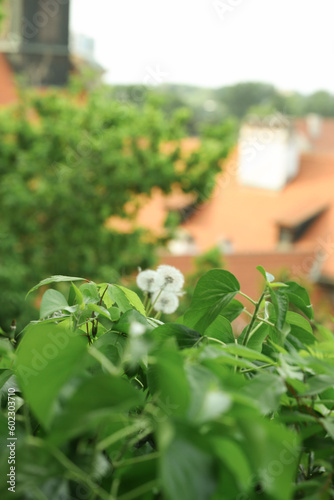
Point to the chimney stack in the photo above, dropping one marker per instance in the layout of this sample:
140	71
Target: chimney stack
268	152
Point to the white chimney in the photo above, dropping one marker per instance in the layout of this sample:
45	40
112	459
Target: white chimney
314	125
268	152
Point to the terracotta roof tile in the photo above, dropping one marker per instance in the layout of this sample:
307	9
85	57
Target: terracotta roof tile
306	211
7	83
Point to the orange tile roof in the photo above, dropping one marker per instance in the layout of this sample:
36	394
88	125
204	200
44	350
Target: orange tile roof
8	92
324	142
307	211
247	217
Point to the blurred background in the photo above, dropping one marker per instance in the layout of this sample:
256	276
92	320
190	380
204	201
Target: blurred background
197	134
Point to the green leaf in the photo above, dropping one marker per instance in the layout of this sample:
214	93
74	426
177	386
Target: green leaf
245	352
232	310
324	334
134	299
300	328
125	299
4	376
47	356
266	389
267	276
214	291
54	279
96	399
221	329
289	371
295	319
167	378
78	295
99	309
273	451
328	423
255	341
299	297
103	289
71	295
115	313
185	337
217	353
7	381
52	302
6	346
128	318
186	471
138	479
208	400
279	336
112	346
281	304
233	457
90	293
318	384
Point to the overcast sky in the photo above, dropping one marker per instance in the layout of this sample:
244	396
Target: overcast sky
212	42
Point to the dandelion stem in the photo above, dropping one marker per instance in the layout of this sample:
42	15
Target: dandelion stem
148	305
153	304
146	297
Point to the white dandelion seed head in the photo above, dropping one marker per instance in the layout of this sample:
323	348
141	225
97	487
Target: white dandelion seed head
165	302
149	281
173	279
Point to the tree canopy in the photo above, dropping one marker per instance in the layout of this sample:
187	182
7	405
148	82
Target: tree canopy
210	105
69	162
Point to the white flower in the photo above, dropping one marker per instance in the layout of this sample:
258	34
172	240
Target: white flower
166	302
173	279
149	281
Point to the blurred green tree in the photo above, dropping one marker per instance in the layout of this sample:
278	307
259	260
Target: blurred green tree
240	97
67	163
2	14
321	102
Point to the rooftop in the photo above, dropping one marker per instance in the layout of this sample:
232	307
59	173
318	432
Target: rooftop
249	218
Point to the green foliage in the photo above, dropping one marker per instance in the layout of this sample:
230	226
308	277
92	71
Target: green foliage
213	258
2	13
120	406
210	106
242	96
68	163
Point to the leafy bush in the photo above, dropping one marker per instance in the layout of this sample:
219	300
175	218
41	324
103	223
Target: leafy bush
113	404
